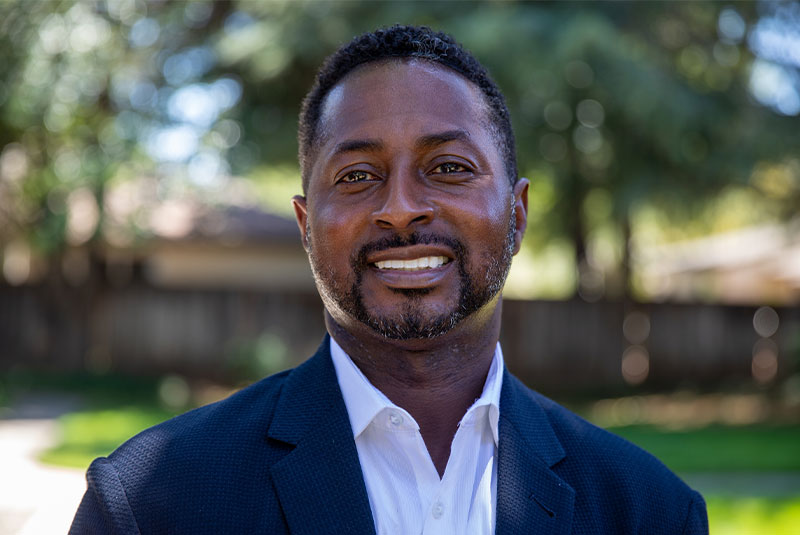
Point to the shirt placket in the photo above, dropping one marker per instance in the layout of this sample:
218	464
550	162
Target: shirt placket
442	513
427	478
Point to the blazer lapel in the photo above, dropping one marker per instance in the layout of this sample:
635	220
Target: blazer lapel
531	498
319	483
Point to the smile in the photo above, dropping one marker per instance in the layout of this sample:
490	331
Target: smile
416	264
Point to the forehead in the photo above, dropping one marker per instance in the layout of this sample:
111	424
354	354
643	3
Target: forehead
401	96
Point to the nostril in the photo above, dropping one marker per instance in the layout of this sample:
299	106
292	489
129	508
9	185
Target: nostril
383	223
403	217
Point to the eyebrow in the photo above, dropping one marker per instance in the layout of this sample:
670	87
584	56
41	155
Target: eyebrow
434	140
358	145
426	142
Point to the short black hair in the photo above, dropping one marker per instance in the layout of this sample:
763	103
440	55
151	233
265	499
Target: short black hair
403	42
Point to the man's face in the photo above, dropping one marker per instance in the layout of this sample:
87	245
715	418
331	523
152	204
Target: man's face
409	220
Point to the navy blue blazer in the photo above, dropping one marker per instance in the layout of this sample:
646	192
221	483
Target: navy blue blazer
279	457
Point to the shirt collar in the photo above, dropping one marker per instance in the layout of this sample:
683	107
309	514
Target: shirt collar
364	402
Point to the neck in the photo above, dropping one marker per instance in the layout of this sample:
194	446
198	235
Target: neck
435	380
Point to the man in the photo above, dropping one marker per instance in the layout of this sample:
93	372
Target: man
405	421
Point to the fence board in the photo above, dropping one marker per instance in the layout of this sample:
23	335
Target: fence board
566	346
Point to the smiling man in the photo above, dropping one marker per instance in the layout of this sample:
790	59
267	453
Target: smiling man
406	420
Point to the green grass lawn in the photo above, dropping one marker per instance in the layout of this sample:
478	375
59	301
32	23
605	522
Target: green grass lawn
725	449
86	435
753	516
113	409
720	448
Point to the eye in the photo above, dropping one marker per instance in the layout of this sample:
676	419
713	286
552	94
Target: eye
450	167
357	176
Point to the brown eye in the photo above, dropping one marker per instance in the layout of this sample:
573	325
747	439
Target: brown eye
450	167
356	176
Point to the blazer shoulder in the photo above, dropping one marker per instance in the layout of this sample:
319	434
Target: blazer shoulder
177	473
618	482
248	410
586	443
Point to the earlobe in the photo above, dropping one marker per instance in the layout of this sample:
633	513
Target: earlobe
301	215
520	211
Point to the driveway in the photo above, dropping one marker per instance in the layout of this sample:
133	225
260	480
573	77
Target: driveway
34	498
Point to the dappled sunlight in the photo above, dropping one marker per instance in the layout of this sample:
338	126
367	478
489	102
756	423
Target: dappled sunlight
628	138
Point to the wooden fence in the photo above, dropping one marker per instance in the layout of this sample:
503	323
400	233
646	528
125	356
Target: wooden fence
556	346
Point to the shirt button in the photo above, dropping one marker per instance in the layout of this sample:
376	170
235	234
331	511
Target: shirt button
438	510
396	419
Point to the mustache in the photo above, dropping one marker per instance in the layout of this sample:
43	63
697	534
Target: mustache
359	260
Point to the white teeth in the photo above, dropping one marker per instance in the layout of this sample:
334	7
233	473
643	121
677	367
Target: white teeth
426	262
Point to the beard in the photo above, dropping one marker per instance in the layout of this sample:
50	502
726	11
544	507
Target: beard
412	321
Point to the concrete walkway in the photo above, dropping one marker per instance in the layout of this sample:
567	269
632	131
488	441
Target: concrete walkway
34	498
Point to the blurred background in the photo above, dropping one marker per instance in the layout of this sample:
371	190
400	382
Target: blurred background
149	261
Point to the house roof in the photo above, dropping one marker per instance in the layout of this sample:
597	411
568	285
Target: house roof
751	264
227	224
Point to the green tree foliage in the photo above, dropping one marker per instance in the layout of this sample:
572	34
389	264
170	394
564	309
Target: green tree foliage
110	108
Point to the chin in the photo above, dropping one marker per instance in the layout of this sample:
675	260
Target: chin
411	326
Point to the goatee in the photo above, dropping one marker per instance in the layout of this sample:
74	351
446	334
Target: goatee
475	291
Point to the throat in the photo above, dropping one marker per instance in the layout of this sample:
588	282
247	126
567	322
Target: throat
438	446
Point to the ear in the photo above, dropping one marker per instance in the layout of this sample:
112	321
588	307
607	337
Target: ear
521	211
301	214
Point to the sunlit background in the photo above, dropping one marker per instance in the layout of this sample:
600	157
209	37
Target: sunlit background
149	261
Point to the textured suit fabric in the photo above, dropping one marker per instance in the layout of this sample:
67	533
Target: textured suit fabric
279	457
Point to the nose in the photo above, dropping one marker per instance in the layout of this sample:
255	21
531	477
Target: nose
404	204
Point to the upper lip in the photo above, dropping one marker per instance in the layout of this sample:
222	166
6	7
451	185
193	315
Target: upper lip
410	252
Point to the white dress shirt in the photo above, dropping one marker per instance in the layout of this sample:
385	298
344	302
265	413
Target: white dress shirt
405	492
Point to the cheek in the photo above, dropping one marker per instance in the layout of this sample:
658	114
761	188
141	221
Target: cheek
483	221
332	235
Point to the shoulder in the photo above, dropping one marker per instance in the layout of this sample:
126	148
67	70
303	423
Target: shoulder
208	428
208	470
191	469
617	484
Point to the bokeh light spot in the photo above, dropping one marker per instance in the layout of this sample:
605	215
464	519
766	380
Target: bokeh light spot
774	86
82	216
16	262
196	14
766	321
579	74
636	327
188	65
590	113
587	140
553	147
13	162
635	365
765	363
207	169
173	144
558	115
144	33
174	392
731	25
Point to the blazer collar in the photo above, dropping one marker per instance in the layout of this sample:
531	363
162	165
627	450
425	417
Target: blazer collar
319	483
531	498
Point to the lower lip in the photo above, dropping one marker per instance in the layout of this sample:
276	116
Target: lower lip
421	278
